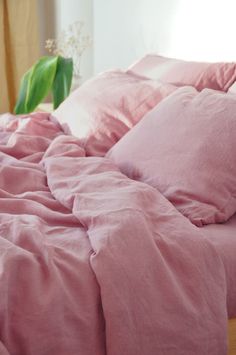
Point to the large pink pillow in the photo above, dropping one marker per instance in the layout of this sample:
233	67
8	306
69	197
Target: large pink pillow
218	76
186	148
102	110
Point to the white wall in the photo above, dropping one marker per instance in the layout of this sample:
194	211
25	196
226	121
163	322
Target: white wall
124	30
57	15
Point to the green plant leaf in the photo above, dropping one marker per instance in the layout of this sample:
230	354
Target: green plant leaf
20	105
41	81
62	82
36	84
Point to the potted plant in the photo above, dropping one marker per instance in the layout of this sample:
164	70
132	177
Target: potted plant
53	73
49	73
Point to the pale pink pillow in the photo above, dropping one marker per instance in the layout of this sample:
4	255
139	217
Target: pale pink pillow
232	89
186	148
102	110
218	76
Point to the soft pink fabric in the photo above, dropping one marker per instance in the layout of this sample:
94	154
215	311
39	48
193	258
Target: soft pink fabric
218	76
223	237
232	89
102	110
92	262
186	148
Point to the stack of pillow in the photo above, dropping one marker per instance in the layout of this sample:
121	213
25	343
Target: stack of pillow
183	145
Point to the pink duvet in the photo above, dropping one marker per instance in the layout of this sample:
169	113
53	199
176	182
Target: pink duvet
93	263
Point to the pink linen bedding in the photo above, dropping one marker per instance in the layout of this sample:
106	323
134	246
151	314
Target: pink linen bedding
217	76
107	106
223	237
92	262
186	148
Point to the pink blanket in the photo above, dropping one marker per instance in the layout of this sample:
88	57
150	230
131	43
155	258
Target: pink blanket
93	263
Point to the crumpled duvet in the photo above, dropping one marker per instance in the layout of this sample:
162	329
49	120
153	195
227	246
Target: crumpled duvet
93	263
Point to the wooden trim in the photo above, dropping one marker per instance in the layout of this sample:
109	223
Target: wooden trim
232	336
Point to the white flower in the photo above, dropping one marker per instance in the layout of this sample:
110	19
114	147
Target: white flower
71	43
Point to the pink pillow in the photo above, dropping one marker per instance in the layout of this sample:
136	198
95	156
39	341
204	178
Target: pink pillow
102	110
186	148
232	89
218	76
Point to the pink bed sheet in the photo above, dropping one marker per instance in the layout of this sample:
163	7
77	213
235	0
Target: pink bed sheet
92	262
223	237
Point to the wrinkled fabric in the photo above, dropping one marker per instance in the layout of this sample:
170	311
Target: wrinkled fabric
186	148
222	236
107	106
92	262
201	75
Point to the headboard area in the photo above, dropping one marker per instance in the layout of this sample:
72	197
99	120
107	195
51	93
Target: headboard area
124	30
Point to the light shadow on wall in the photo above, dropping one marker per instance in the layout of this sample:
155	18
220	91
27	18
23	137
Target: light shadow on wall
47	22
155	20
203	30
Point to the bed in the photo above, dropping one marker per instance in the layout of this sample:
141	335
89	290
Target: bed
106	248
214	233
